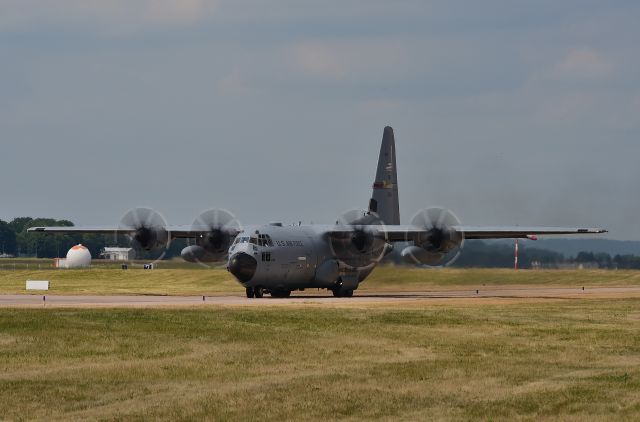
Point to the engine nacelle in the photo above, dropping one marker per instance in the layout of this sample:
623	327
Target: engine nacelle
198	254
438	241
360	247
215	242
149	238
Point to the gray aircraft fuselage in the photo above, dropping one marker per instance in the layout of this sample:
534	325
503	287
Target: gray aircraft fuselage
289	258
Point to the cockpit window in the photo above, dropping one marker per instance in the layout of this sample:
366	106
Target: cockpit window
253	240
264	240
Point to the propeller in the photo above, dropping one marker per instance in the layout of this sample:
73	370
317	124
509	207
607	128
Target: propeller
149	234
440	245
360	239
217	228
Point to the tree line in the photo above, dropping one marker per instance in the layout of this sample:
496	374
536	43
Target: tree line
477	253
17	241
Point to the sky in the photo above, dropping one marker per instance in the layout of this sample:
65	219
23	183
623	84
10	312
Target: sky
507	112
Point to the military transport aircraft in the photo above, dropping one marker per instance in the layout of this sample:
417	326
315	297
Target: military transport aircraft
277	259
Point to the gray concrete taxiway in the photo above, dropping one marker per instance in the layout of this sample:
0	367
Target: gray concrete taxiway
301	298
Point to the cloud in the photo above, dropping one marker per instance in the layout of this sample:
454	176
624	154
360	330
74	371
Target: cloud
105	15
234	84
347	59
320	59
568	107
578	67
584	63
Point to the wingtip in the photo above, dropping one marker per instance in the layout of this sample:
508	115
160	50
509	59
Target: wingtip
599	231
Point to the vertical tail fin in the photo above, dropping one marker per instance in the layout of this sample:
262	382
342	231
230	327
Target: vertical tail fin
384	201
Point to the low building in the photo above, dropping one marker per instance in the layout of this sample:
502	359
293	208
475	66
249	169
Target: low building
118	254
578	266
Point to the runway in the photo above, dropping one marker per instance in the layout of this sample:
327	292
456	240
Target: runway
362	297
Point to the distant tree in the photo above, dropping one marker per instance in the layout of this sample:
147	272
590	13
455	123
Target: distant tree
95	243
545	257
585	257
604	260
627	262
7	238
18	224
35	244
477	253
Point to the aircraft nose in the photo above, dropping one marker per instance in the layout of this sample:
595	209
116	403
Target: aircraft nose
243	266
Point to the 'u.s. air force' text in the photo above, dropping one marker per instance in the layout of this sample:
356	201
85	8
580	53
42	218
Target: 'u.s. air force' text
289	243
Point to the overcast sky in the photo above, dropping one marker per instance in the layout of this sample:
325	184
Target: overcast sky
507	112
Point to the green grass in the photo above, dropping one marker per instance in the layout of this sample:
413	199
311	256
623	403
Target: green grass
408	278
568	360
194	280
116	281
48	264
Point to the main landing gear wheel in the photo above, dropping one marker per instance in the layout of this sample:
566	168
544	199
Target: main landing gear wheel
250	292
258	292
281	293
340	292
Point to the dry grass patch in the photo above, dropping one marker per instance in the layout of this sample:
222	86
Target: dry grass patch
217	281
565	359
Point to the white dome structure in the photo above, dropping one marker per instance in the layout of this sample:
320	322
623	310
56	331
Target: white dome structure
78	257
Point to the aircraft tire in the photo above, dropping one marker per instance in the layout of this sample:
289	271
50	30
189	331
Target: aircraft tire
250	292
339	292
258	292
281	293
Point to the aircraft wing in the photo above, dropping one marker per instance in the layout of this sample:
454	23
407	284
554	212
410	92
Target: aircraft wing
521	232
404	233
176	231
73	230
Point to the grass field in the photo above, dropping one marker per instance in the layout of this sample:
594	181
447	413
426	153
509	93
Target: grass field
561	359
194	280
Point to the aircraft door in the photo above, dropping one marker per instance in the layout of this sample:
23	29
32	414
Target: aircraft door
267	256
309	263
